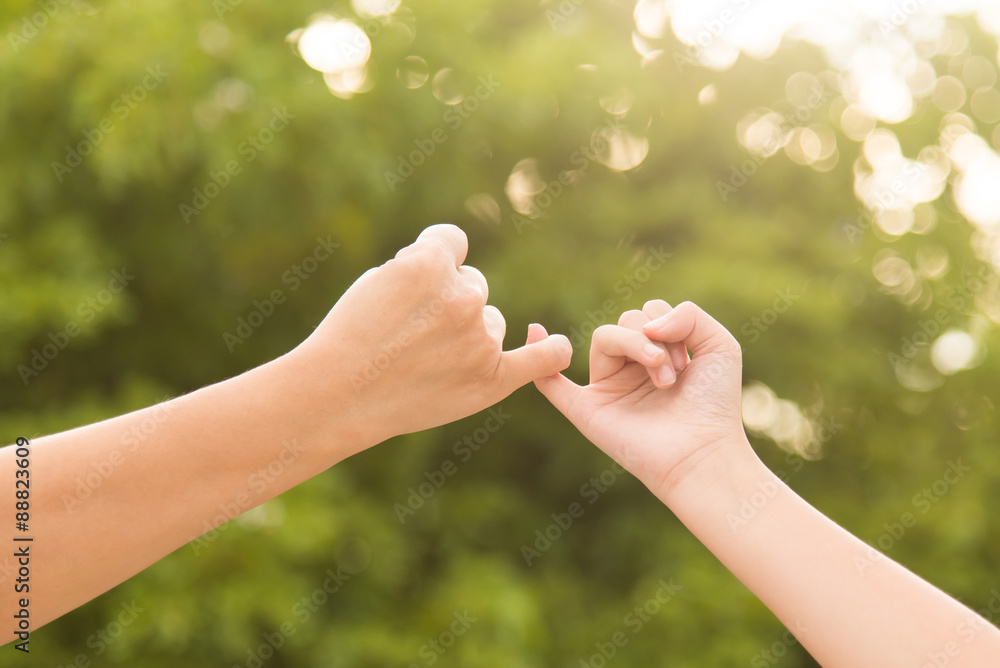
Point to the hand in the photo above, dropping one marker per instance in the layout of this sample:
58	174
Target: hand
412	344
648	406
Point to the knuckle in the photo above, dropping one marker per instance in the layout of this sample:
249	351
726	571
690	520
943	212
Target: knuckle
551	357
562	355
447	228
421	261
409	256
604	332
494	313
467	299
434	254
690	312
475	278
496	325
628	315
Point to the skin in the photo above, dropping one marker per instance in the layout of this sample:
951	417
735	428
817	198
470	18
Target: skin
676	425
673	422
418	321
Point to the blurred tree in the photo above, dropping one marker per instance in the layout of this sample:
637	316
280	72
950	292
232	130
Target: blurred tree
187	147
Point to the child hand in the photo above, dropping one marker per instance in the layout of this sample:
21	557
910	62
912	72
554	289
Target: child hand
648	406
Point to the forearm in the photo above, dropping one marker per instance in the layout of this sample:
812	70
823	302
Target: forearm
846	608
111	498
411	345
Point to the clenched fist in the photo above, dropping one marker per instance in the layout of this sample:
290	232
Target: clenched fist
412	344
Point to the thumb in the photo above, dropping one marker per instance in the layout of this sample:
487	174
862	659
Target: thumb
558	389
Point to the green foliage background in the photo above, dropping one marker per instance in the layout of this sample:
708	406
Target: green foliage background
324	175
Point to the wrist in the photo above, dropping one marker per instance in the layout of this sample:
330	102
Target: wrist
713	471
316	407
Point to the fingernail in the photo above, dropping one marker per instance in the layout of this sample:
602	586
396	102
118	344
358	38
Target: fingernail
679	358
666	375
652	351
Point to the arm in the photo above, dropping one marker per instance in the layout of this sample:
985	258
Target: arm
675	424
411	345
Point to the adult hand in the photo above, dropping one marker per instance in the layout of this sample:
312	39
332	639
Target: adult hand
413	344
